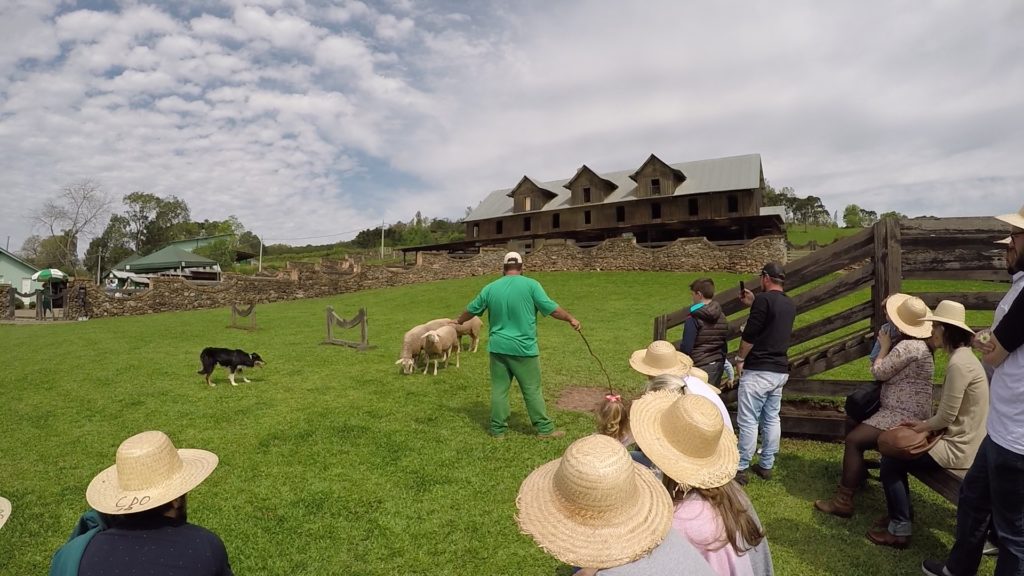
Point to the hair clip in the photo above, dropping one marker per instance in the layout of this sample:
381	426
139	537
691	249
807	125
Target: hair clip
612	397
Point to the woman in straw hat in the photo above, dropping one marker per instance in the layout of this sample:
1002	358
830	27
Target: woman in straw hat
143	524
685	437
905	372
596	508
960	419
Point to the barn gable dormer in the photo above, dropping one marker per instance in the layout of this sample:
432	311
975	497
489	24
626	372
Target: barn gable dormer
656	178
528	196
588	188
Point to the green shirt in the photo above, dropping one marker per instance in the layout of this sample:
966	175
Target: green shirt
512	303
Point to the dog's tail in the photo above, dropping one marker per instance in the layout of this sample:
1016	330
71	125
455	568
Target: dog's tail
201	372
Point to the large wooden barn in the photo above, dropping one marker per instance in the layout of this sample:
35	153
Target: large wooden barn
720	199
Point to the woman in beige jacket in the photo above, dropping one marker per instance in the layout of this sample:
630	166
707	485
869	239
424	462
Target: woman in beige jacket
960	417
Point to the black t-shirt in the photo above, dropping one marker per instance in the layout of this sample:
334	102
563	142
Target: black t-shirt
768	328
163	547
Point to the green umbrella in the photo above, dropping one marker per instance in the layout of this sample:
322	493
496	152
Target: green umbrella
49	275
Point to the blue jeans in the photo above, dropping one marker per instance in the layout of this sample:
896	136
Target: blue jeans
893	475
757	406
993	488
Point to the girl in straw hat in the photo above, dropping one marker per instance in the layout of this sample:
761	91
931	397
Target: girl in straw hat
686	438
142	526
905	372
960	418
596	508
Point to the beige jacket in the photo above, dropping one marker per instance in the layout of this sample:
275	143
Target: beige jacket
962	411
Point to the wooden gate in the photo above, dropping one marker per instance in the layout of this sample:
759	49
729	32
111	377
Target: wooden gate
333	320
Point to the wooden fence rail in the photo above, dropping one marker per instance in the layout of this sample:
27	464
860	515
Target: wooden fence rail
880	257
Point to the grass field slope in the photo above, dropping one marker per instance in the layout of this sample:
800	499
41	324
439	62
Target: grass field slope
331	462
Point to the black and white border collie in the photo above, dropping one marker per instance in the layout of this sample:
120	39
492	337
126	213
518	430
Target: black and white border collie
233	360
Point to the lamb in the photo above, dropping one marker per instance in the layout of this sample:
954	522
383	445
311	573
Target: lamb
473	326
412	344
438	345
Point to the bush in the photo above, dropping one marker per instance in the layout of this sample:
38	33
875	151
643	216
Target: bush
32	305
19	304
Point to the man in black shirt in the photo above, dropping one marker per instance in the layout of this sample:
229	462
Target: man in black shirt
763	366
143	528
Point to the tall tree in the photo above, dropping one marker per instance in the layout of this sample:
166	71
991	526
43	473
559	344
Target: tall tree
853	216
75	211
110	247
153	221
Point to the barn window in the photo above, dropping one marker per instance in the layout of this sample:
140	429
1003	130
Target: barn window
526	224
556	221
656	211
655	186
497	227
586	216
476	230
734	203
527	203
694	206
620	214
586	195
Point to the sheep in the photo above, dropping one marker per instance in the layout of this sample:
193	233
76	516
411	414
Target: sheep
438	345
471	327
412	344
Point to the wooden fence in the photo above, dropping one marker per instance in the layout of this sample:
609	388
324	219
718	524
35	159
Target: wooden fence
880	257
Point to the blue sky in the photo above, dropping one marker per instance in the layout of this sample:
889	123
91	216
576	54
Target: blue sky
312	118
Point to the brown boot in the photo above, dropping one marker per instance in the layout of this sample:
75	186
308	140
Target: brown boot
840	505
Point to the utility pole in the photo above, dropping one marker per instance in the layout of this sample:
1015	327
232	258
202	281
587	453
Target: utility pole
99	265
382	239
261	254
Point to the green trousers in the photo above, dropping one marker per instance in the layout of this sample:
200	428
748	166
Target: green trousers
526	370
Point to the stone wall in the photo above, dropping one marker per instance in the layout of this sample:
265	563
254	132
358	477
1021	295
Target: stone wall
5	301
307	280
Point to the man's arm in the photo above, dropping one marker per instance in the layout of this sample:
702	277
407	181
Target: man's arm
466	316
689	336
1008	335
561	314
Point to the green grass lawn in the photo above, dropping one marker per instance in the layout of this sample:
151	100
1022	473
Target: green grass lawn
333	463
798	235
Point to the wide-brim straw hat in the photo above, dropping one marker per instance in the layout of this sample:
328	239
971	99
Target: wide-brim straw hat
149	472
1015	219
702	375
952	313
660	357
686	438
5	510
594	507
908	313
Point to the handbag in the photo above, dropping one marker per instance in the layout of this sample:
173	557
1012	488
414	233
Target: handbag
904	443
863	402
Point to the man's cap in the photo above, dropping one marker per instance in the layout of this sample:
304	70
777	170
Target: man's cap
512	258
774	270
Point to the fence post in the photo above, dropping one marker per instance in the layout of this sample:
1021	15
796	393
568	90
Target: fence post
888	259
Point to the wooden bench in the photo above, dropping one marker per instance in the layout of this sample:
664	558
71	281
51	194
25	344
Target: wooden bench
945	482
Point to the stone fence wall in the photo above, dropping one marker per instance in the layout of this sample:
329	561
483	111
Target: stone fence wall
5	301
306	280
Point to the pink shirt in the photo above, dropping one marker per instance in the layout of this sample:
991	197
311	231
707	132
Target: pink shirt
701	525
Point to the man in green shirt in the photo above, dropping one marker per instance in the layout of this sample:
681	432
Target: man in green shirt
513	302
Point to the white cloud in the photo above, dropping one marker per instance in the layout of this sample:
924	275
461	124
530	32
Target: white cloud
311	118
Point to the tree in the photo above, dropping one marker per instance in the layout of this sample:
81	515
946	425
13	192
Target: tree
785	197
852	216
110	247
810	210
894	214
152	221
75	211
868	218
30	249
220	250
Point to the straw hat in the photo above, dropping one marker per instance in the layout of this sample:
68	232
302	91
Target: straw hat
5	510
660	357
594	507
1016	220
952	313
149	472
908	314
686	438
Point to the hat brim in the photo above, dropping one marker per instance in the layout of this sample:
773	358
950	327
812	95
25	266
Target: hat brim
105	494
636	361
559	532
1013	219
942	320
892	304
713	471
5	510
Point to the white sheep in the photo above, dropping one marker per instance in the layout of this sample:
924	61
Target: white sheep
438	344
412	344
473	326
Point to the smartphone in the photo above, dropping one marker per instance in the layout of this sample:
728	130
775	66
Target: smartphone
743	287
